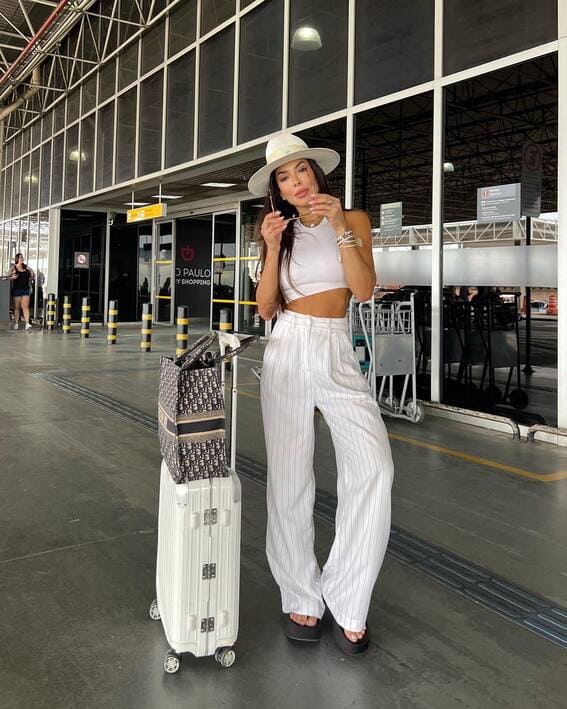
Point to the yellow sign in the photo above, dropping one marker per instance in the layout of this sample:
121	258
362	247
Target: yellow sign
152	211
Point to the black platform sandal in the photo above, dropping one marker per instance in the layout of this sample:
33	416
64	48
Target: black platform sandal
346	645
303	633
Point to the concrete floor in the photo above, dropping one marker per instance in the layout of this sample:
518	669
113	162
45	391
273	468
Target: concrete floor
78	538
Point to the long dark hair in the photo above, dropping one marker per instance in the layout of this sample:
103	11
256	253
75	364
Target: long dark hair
287	210
16	261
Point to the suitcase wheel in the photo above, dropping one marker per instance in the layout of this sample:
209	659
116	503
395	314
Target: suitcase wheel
225	656
154	610
171	662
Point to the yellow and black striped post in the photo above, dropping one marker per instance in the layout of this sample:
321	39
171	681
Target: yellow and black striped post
85	318
112	323
146	343
51	312
66	314
225	320
182	329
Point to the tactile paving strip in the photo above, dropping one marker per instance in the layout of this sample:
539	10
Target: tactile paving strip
517	604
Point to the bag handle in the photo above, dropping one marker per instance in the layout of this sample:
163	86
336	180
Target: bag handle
195	351
244	345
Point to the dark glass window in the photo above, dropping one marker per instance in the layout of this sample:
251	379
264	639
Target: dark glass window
25	185
128	68
73	106
126	136
394	46
214	12
260	78
89	94
59	116
151	115
105	133
26	141
215	92
245	3
57	169
153	47
72	161
180	110
34	180
47	125
107	81
480	31
182	26
317	58
86	165
45	174
36	134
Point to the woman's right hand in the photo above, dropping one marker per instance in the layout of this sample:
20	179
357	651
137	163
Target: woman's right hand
272	229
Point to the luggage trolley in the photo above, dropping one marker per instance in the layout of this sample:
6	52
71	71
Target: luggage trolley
389	335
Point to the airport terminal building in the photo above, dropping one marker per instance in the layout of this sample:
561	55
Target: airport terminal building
112	105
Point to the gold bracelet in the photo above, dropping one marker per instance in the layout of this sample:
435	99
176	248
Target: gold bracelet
347	240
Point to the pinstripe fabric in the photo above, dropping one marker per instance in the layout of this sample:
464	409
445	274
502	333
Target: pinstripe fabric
309	362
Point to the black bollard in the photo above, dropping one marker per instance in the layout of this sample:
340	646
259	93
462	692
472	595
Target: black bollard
146	343
182	336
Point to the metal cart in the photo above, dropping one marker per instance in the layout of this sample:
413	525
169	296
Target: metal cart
389	356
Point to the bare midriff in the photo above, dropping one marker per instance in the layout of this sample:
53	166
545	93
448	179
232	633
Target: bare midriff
329	304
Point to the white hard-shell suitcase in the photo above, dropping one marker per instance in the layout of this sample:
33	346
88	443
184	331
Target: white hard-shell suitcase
198	558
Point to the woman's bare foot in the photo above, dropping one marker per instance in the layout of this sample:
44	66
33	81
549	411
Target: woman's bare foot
354	636
309	620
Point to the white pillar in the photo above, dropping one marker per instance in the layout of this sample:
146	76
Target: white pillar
52	280
437	216
562	226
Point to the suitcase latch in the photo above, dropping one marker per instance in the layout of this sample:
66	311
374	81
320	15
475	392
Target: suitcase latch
209	571
211	516
207	625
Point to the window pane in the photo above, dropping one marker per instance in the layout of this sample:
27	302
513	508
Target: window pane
245	3
128	70
25	185
34	180
72	161
73	106
87	153
151	114
105	133
57	169
89	94
17	176
180	110
59	116
215	93
477	32
261	47
25	141
214	12
47	125
317	58
107	81
45	174
182	26
8	194
153	47
126	136
36	134
394	46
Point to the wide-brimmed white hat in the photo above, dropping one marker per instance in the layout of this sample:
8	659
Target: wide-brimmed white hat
285	147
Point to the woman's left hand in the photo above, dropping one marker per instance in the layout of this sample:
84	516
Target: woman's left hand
324	205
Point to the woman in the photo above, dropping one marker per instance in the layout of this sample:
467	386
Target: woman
21	277
315	256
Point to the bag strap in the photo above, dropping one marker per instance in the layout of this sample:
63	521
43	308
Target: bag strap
244	345
195	351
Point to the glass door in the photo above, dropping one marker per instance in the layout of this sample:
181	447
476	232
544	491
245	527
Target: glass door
224	269
163	272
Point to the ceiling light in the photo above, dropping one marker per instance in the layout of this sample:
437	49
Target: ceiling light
306	39
218	184
167	196
74	155
136	204
448	167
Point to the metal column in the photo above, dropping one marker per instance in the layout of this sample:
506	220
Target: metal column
562	225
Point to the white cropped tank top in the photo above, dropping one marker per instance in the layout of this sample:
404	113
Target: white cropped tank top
314	266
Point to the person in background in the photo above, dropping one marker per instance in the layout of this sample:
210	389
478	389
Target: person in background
21	277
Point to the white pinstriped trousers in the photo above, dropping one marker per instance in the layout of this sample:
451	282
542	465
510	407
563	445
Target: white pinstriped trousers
310	362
